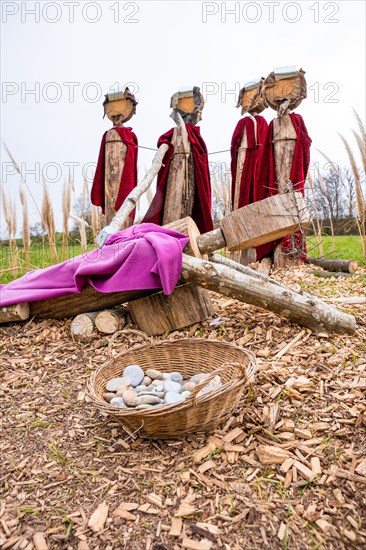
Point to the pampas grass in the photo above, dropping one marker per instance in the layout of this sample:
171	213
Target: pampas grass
66	207
11	225
318	228
26	232
48	224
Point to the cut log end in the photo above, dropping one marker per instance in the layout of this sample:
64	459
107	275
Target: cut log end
83	325
17	312
109	321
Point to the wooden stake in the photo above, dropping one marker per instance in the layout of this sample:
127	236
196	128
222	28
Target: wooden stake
284	141
115	156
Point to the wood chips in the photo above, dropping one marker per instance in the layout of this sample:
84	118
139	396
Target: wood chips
286	470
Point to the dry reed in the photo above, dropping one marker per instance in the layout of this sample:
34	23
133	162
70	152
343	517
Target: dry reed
66	206
26	231
48	223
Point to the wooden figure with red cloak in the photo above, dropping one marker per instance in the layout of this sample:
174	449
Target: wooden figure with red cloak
183	183
246	142
285	156
116	171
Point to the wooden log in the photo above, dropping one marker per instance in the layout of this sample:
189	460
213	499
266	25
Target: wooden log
115	156
284	141
303	309
188	227
158	314
83	325
329	274
89	300
347	266
18	312
110	320
264	221
265	266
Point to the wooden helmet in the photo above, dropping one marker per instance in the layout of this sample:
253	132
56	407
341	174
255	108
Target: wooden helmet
250	99
189	103
284	89
119	106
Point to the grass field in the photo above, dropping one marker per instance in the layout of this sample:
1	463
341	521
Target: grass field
346	248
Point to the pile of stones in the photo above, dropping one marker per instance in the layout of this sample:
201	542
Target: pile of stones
137	389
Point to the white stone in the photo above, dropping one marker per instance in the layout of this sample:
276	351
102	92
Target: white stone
135	374
173	397
114	383
197	378
118	402
169	385
213	384
154	374
148	400
186	394
176	377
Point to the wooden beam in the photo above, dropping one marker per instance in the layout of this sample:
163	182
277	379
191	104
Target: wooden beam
115	156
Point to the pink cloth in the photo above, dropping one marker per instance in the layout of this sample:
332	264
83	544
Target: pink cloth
141	257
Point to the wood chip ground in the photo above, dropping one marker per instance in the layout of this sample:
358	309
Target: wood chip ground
287	470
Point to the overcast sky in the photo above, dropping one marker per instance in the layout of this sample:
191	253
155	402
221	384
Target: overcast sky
59	58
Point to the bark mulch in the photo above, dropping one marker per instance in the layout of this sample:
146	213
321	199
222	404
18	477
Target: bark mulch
287	470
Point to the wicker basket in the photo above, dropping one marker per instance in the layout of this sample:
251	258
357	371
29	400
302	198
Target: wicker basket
235	366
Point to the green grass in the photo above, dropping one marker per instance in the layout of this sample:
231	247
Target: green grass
346	248
38	259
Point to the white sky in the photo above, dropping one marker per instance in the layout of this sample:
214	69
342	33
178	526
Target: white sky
159	46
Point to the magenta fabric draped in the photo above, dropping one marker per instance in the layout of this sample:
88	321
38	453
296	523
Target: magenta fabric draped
141	257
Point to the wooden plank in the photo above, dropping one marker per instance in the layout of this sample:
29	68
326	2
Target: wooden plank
265	221
159	313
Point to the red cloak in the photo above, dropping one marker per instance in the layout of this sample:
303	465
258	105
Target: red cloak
129	172
266	182
201	212
255	141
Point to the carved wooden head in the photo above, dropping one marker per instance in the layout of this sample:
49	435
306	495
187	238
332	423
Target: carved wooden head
120	106
189	104
284	89
250	99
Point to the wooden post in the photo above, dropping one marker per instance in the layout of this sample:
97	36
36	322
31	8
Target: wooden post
284	141
180	185
115	156
247	256
158	313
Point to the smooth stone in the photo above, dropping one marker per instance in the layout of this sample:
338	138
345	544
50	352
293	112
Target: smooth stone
154	374
144	406
114	383
159	394
147	381
176	377
167	376
170	386
186	394
108	396
141	388
148	400
212	385
189	386
123	387
130	397
157	383
157	389
173	397
135	374
118	402
197	378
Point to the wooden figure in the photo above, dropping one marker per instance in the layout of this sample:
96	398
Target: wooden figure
116	172
183	186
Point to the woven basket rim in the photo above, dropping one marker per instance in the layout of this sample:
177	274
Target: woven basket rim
243	380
